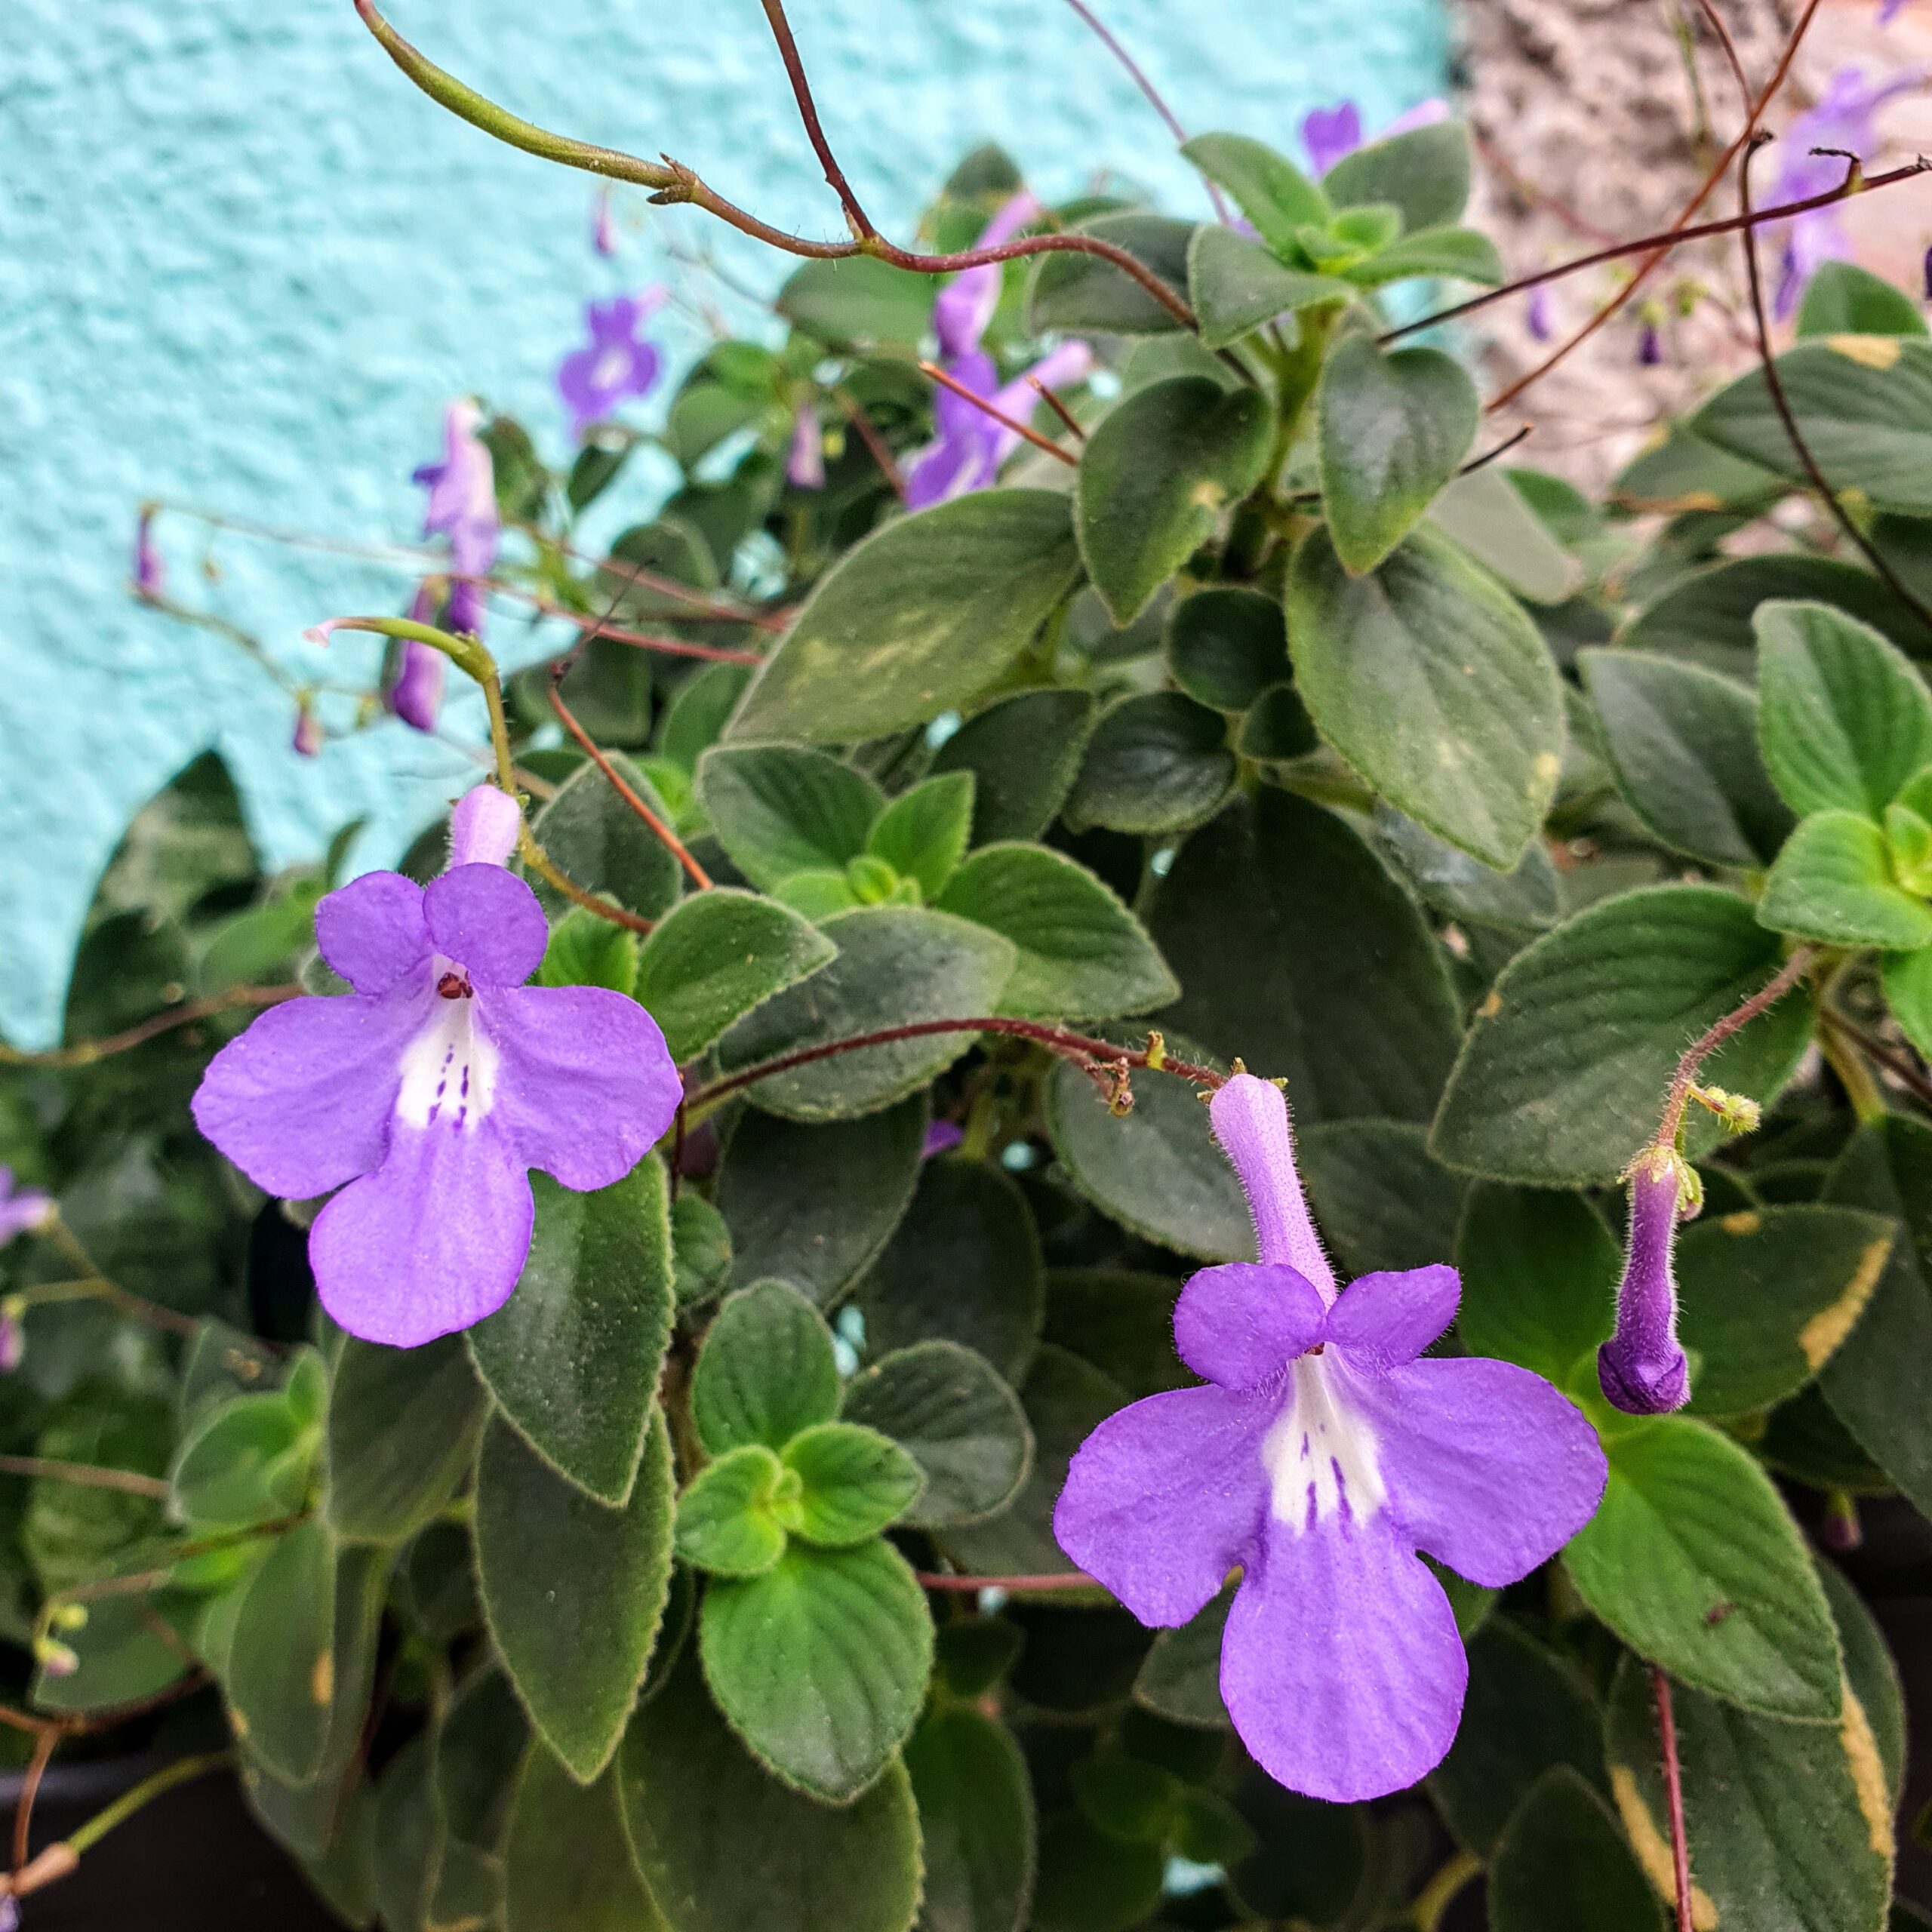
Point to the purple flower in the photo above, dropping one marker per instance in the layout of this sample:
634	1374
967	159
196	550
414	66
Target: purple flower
804	460
615	365
150	574
13	1342
463	507
1321	1455
1539	317
941	1138
1843	118
416	695
1329	134
965	306
603	234
1650	346
427	1093
1642	1369
971	446
1889	11
308	739
22	1210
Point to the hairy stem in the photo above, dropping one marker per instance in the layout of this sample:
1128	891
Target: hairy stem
1793	970
1673	1792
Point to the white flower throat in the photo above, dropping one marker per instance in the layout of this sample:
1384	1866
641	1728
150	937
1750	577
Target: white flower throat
449	1069
1320	1457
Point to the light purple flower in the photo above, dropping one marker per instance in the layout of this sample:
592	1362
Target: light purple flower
150	574
967	453
965	306
308	739
416	697
941	1138
22	1210
1889	11
427	1093
1641	1367
1329	134
804	460
1320	1456
616	364
603	232
1843	118
1539	316
463	507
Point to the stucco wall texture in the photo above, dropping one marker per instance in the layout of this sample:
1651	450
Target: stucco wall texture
243	265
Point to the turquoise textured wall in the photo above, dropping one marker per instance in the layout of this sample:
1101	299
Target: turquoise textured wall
243	265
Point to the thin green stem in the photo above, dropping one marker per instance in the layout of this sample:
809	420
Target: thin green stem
1435	1897
182	1771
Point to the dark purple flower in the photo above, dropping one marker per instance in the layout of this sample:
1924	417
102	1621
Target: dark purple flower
427	1093
804	460
1320	1456
615	365
1329	134
22	1210
1649	345
463	507
150	574
1641	1367
941	1138
1928	275
965	306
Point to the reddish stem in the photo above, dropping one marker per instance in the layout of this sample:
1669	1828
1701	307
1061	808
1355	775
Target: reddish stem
84	1053
870	436
999	415
1058	408
1673	1798
671	647
1060	1580
1793	970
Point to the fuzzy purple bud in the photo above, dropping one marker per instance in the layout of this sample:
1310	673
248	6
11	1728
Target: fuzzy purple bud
603	232
1539	317
1641	1367
308	738
150	574
484	828
1650	346
804	460
941	1138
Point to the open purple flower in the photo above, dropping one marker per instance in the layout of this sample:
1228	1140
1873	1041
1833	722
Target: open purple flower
1319	1456
22	1210
1641	1367
427	1093
1331	134
463	507
615	365
963	309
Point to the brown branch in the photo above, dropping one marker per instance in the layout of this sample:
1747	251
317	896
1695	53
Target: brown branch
1673	1796
869	435
1499	163
44	1746
1793	970
671	647
1896	1064
795	72
1058	408
1058	1579
999	415
85	1475
704	604
84	1053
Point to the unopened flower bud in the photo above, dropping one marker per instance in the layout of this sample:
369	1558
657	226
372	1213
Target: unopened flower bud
804	461
484	828
150	575
1642	1368
308	738
1739	1112
57	1659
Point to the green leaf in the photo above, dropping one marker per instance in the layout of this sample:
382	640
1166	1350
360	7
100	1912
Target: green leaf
1277	727
572	1357
1086	294
1789	1820
1297	950
964	1266
782	809
1485	511
1127	1798
922	834
858	301
1463	253
1539	1273
976	1823
1431	681
1274	193
402	1432
405	1836
126	1651
725	1847
1157	762
567	1867
816	1204
280	1674
1082	955
1768	1295
587	951
1678	471
1833	881
820	1664
921	616
727	1520
1870	1677
1236	284
897	966
246	1462
1121	1321
1392	428
1425	173
592	836
1683	743
1181	1678
1525	901
946	1407
1225	647
1526	1713
1843	299
1154	477
1689	1530
1864	404
1024	751
1564	1070
573	1590
1846	719
1090	1880
856	1482
767	1371
76	1534
700	1250
1563	1861
714	956
480	1742
1380	1201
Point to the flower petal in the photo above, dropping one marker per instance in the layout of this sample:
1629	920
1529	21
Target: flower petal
1341	1666
1239	1323
487	920
432	1241
372	930
1382	1320
1251	1120
586	1084
484	826
301	1102
1165	1498
1488	1466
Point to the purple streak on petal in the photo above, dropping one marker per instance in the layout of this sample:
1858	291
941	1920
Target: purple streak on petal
1240	1324
483	828
302	1102
1489	1468
805	456
416	695
941	1138
1329	134
1539	317
1251	1120
431	1241
1165	1497
586	1086
1342	1667
372	931
1642	1368
488	921
150	575
1381	1322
